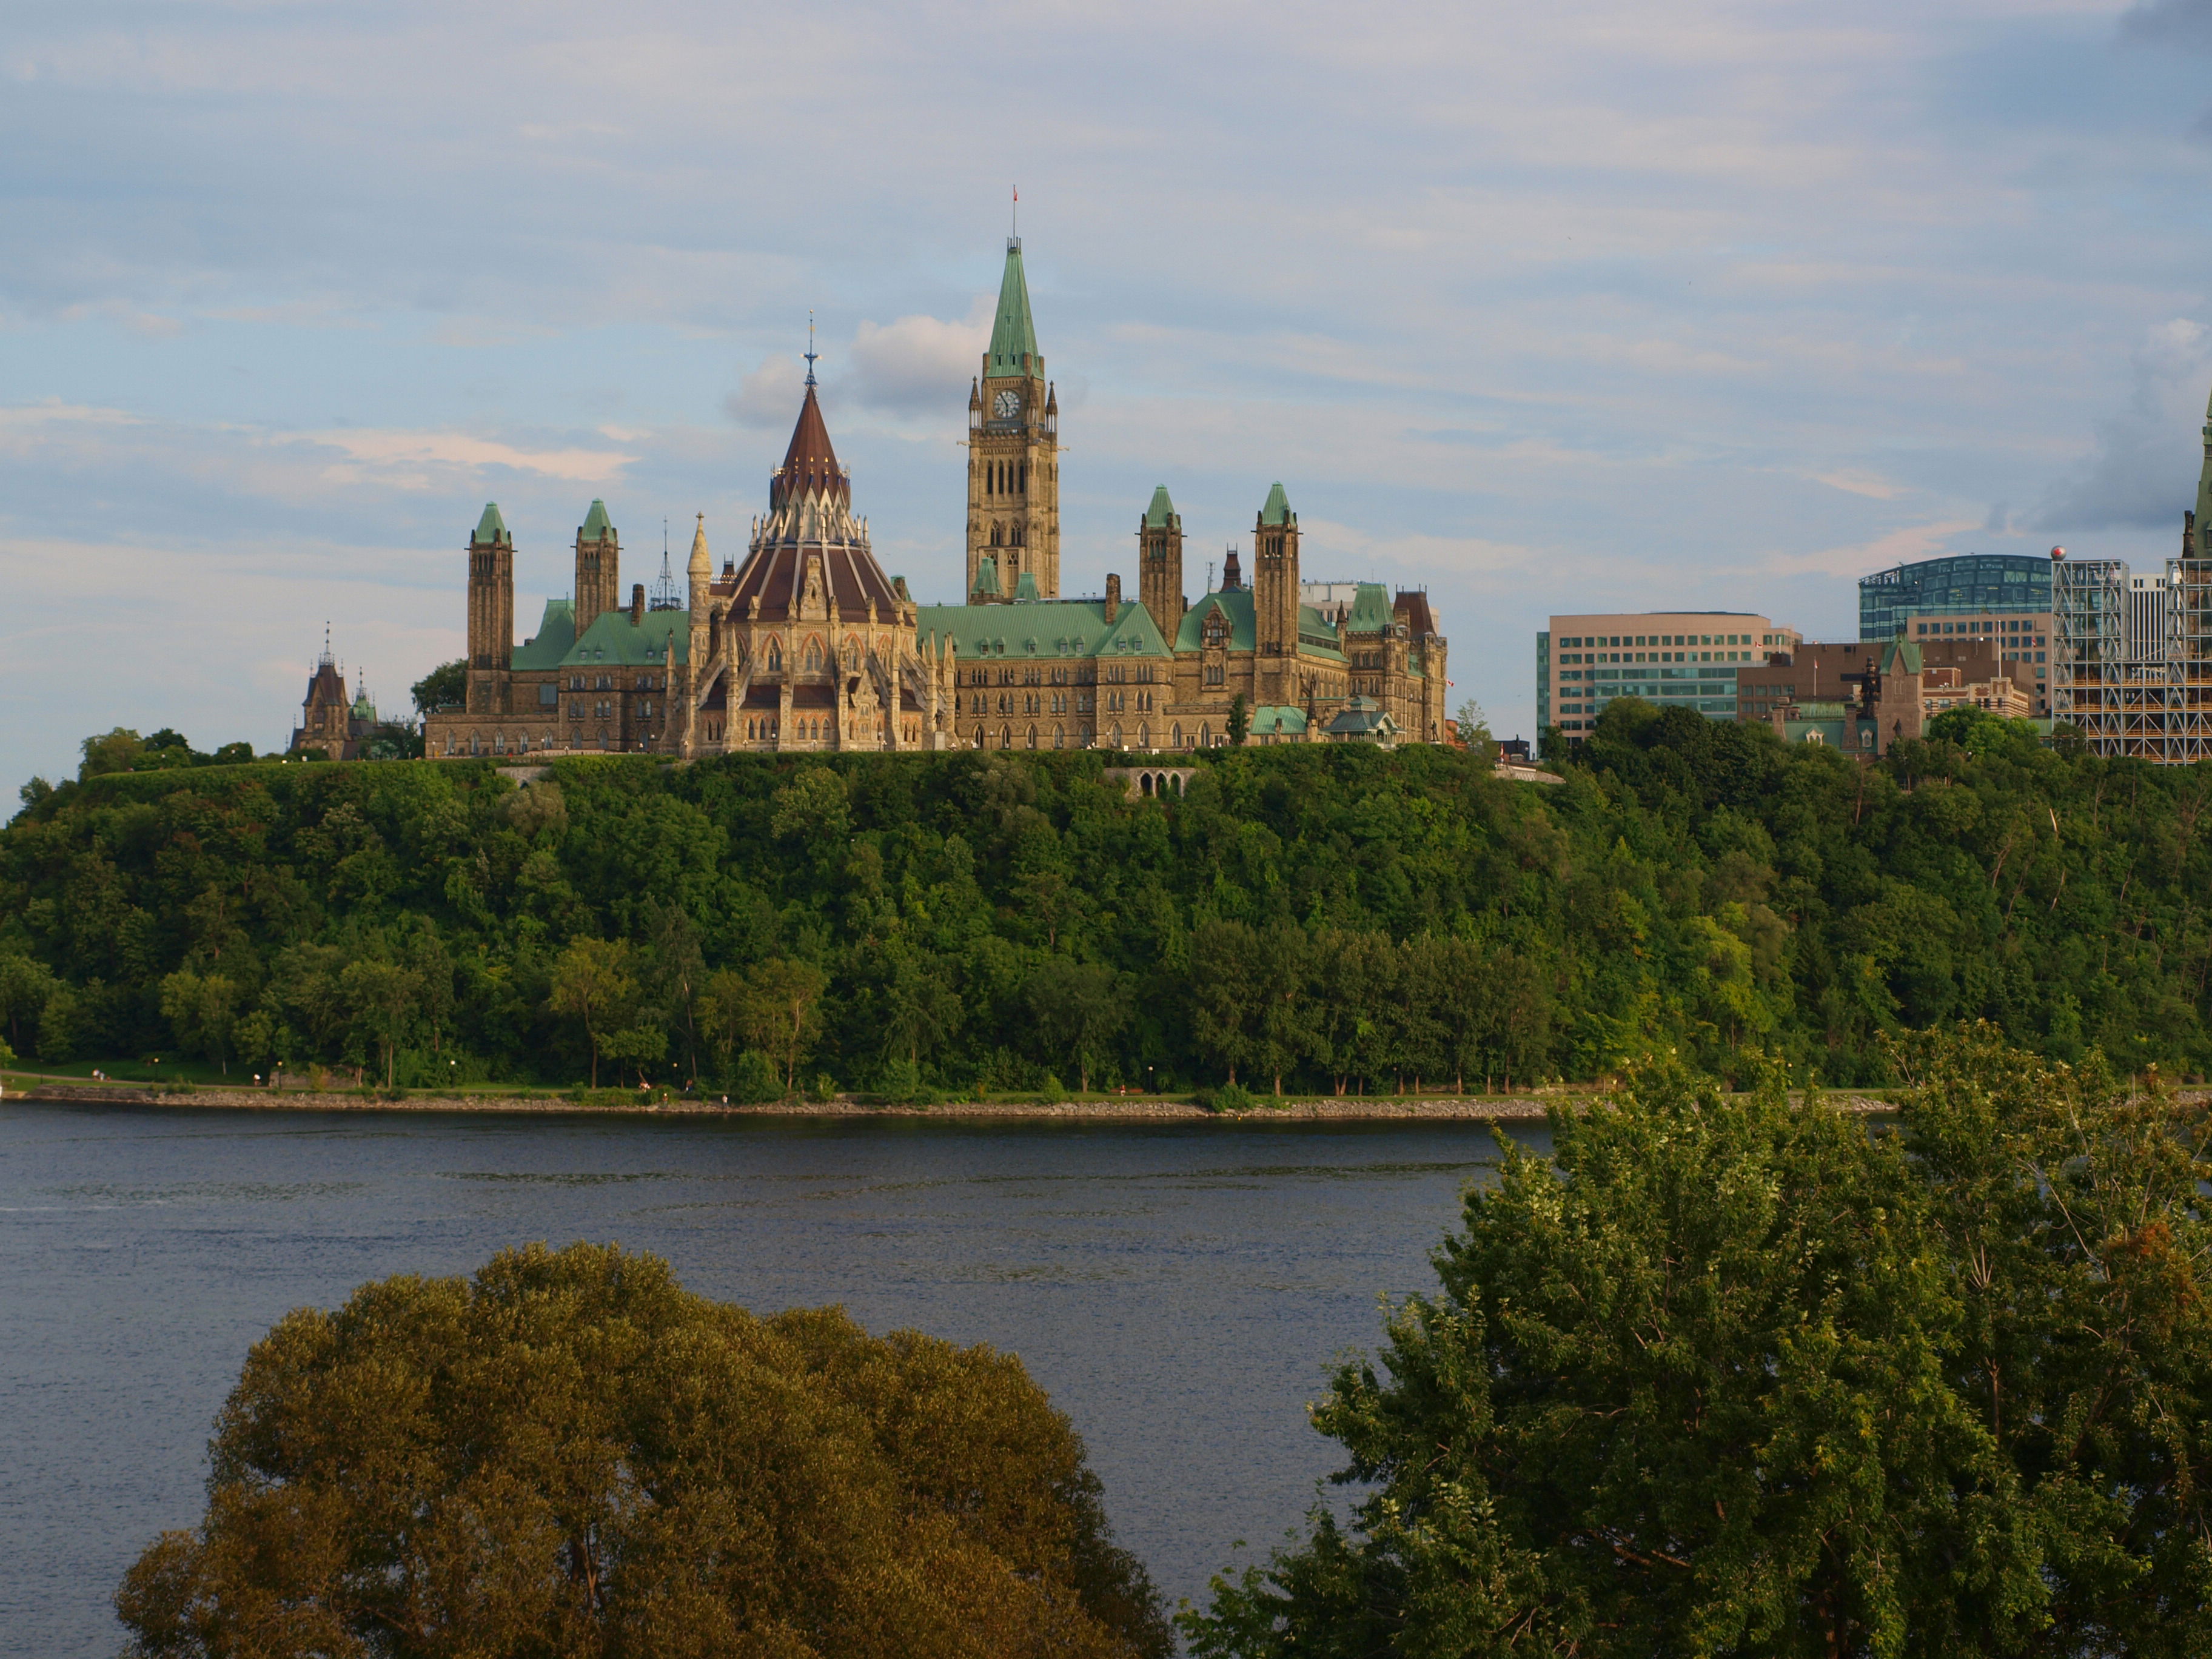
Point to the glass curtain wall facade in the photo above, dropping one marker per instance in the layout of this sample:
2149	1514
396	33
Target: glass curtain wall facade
1970	584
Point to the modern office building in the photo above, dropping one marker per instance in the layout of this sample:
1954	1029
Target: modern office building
2001	599
1676	659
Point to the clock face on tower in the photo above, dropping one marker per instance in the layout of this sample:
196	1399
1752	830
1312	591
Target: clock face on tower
1006	405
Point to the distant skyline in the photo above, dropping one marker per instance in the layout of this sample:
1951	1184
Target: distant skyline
1608	306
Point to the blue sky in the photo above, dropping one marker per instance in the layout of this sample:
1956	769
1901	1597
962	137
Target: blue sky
1574	306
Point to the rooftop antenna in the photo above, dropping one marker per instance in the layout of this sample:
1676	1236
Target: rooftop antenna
811	353
1209	576
325	659
1016	231
663	590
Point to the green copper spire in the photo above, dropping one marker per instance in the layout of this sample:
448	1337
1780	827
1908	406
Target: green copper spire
1161	512
1014	335
987	579
1278	509
491	527
596	527
2204	484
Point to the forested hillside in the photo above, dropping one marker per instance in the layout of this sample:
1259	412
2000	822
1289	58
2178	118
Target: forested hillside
1336	919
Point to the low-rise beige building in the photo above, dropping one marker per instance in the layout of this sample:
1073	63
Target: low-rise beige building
1676	659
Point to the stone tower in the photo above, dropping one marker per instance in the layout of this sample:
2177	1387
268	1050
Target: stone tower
491	613
1275	600
598	568
1013	449
1159	563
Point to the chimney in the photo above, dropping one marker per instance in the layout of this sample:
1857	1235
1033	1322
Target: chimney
637	604
1232	576
1112	598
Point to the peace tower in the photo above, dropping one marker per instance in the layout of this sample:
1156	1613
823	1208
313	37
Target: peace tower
1013	455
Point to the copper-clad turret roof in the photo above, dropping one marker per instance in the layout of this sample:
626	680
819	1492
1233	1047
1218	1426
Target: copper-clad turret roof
810	516
810	466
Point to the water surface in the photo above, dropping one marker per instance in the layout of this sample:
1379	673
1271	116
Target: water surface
1178	1287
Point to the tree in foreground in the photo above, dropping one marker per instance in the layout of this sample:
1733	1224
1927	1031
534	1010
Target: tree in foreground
1736	1377
570	1455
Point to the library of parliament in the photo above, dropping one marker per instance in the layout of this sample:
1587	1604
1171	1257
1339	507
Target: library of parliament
805	644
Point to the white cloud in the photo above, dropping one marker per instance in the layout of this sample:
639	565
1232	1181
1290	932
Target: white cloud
770	395
917	365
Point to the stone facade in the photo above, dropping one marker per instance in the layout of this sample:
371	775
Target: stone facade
331	722
808	644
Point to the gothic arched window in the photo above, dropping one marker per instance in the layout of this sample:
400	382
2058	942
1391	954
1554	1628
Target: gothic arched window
813	655
774	657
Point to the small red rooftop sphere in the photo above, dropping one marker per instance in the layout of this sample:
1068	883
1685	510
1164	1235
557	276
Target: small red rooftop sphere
2057	552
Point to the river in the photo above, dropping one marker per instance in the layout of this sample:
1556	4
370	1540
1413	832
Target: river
1178	1287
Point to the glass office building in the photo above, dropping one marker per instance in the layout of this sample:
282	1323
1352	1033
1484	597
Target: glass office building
1970	584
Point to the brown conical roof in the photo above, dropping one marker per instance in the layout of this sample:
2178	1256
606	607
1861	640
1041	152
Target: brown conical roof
810	466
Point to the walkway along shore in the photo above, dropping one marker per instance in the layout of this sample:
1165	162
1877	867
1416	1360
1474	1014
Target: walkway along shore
1372	1108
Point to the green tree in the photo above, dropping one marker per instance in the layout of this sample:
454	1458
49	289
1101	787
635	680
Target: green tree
1474	728
25	984
1076	1008
117	750
919	1009
1731	1375
638	1047
1223	1008
202	1009
570	1455
1282	1033
446	686
592	985
782	1011
1240	720
384	998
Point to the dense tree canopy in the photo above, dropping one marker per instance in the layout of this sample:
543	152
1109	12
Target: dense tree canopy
1732	1376
569	1454
1306	918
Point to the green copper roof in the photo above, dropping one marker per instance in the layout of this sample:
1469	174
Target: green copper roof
1370	609
1235	604
596	527
987	577
1271	719
491	527
612	641
1162	512
1013	334
1026	590
557	632
1900	656
1046	629
1316	638
1278	509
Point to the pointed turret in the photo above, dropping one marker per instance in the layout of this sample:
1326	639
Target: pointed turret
1159	563
1013	334
702	563
597	525
986	588
1277	510
491	529
809	464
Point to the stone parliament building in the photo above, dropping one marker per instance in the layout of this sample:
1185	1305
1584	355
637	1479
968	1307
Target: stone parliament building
807	645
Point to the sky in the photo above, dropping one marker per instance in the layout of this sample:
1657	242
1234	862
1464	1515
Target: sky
1576	307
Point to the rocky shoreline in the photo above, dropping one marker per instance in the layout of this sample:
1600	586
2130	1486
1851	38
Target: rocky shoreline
1372	1109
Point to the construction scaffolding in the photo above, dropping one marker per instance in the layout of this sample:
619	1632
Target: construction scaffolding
2133	673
